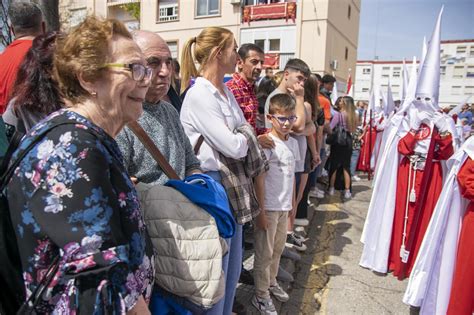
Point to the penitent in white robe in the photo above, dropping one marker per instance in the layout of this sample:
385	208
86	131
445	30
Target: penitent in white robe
377	232
431	278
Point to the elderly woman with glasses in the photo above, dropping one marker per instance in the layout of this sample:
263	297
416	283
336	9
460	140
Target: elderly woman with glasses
74	208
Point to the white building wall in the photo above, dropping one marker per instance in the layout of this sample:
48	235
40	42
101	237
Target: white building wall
456	68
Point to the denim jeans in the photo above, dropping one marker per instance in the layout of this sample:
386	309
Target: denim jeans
354	160
231	265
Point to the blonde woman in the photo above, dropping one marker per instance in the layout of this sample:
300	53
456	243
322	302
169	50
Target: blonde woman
210	109
339	161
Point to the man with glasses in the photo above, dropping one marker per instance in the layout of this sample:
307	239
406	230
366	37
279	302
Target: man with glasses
160	119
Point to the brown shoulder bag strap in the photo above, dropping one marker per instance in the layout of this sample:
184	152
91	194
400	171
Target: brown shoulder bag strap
198	145
152	148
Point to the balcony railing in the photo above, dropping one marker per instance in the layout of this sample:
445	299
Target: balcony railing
273	11
277	60
168	12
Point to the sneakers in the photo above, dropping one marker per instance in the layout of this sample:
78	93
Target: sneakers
264	305
279	293
302	222
293	241
246	277
347	194
284	275
332	191
299	229
356	178
288	253
316	193
300	237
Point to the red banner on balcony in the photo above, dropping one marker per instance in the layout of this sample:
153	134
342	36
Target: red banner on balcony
284	10
272	61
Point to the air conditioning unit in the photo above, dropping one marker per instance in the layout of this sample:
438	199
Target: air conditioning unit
333	64
235	2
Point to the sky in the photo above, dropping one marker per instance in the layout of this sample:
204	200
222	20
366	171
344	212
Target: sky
394	29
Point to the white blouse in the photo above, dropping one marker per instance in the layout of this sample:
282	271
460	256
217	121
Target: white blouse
206	112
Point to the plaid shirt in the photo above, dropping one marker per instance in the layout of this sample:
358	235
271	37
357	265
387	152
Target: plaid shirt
244	93
237	178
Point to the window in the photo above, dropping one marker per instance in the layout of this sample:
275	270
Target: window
349	12
471	51
396	72
470	72
365	89
260	43
346	55
366	71
173	46
168	11
385	72
458	72
207	7
456	90
442	70
461	49
469	90
275	44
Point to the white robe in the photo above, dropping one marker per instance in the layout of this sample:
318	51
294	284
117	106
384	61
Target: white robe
430	282
377	232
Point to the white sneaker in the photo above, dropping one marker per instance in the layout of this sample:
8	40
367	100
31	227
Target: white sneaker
302	222
316	193
332	191
264	305
299	229
347	194
279	293
356	178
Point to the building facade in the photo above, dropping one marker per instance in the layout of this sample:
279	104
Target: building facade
324	33
456	74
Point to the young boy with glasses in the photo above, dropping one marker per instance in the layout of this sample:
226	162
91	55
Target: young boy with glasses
276	195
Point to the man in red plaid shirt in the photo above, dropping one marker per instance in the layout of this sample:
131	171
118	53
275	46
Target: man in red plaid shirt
242	83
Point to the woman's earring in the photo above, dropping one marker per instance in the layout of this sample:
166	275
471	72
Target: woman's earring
94	94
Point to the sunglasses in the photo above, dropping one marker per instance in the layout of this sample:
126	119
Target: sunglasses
284	119
139	71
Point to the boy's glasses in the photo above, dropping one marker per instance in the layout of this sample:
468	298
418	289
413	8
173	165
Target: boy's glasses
284	119
139	71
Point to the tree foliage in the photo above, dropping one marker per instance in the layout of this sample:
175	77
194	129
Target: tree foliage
133	9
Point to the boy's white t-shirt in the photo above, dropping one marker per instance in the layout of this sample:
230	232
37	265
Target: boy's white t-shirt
280	178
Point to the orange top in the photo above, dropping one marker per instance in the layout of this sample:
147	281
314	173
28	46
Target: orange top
326	106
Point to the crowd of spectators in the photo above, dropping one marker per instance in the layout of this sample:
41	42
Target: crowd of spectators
73	199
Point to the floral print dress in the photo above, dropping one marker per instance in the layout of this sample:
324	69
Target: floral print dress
72	197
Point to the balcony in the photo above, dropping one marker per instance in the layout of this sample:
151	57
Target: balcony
272	11
112	3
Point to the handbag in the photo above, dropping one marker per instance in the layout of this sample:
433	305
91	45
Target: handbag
186	234
339	136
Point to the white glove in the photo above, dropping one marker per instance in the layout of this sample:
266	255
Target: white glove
415	121
441	122
425	116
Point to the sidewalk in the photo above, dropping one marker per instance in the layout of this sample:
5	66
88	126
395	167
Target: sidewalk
328	279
